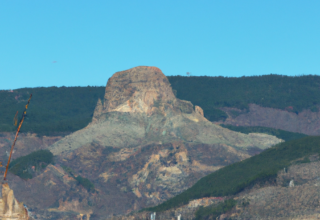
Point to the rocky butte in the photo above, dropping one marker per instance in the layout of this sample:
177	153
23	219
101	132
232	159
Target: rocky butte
139	108
142	147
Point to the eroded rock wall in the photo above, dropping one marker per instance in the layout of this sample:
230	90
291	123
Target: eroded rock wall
10	208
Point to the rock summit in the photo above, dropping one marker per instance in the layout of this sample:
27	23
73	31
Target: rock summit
140	108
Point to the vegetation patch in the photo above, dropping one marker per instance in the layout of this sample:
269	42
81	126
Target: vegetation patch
86	183
214	114
213	211
26	167
284	135
109	150
234	178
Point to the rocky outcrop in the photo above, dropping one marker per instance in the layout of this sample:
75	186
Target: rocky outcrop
199	110
97	111
10	208
53	194
140	108
140	89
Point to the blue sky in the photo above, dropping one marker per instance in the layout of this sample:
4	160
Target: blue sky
80	43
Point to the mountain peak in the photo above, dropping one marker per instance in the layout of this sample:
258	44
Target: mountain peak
139	89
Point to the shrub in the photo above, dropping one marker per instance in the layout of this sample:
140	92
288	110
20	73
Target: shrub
86	183
22	166
213	211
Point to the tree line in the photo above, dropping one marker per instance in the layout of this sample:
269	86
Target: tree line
67	109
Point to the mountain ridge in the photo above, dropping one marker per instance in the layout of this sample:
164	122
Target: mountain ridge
142	147
57	109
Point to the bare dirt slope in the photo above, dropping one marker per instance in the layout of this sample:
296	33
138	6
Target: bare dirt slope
305	122
25	144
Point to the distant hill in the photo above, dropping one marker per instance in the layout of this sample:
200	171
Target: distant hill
51	110
275	91
67	109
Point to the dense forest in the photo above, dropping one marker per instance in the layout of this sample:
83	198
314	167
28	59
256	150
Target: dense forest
275	91
67	109
234	178
51	110
214	211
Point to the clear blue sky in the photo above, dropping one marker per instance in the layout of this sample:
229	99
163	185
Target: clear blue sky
81	42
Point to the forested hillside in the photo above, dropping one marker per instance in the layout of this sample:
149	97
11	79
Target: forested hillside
67	109
53	109
275	91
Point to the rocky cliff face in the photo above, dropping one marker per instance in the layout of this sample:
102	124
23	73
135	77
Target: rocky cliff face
10	208
142	147
140	89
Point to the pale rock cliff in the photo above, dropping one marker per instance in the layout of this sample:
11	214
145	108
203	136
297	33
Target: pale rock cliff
199	110
139	89
97	111
10	208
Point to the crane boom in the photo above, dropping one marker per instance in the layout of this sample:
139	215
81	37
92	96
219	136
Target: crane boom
15	139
